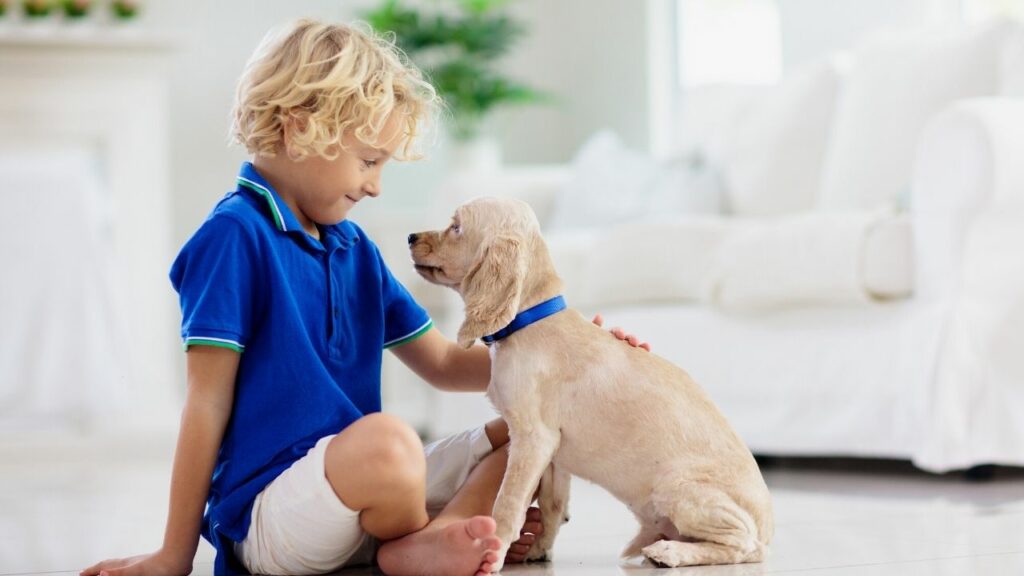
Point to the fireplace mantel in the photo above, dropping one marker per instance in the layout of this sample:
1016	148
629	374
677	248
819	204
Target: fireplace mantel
106	96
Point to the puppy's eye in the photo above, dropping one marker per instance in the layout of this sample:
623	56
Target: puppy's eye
455	229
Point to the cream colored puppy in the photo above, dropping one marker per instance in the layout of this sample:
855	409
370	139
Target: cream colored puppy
579	402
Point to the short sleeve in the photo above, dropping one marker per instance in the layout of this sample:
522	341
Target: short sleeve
217	286
404	319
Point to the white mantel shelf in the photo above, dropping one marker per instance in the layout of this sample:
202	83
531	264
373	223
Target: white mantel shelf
102	38
84	117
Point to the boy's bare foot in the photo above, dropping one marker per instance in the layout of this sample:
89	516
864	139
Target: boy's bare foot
461	548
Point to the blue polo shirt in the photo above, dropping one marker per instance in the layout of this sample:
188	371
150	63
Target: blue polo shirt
311	320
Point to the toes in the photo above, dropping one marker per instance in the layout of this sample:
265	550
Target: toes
490	543
481	527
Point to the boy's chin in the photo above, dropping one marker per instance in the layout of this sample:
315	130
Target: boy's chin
333	219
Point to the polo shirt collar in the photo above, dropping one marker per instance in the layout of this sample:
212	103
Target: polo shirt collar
284	219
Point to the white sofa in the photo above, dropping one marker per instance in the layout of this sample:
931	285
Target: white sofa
843	324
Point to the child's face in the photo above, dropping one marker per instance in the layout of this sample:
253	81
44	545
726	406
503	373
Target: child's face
325	190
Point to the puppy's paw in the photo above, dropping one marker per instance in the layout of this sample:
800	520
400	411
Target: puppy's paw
666	553
539	552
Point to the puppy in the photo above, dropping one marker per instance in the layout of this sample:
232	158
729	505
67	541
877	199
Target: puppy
578	401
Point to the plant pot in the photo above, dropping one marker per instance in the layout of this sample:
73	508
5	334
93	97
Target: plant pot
481	154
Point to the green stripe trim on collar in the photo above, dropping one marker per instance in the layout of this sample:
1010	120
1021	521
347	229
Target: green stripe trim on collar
409	338
218	342
262	191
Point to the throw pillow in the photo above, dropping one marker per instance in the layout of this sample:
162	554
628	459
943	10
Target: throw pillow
1011	81
607	185
610	183
895	85
775	148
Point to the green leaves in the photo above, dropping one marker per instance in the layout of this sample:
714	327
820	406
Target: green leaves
458	46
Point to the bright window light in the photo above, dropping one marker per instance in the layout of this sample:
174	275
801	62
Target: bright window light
729	41
981	10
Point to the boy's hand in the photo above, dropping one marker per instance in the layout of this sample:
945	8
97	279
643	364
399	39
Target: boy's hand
158	563
622	335
532	529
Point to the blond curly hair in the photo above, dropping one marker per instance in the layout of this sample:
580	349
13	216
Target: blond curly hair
325	81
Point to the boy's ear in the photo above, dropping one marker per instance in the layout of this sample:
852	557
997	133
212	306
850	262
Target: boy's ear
492	289
291	123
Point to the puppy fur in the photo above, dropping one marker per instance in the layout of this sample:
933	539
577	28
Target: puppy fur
579	401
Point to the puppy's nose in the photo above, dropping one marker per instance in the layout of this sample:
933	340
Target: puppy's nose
412	238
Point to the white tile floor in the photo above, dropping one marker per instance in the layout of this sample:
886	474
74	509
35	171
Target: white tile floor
57	519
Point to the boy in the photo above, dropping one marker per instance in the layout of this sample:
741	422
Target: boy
286	309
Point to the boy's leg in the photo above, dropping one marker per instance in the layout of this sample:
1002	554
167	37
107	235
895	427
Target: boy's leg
377	466
474	499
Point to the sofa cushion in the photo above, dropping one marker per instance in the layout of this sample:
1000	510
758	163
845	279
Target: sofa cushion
895	85
813	258
643	261
737	262
774	148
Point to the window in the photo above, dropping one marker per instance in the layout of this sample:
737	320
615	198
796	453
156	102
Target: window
728	41
980	10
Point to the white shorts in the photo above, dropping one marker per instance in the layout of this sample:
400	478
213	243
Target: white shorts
300	526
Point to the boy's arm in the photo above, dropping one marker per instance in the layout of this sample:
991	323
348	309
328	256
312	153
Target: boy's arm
445	364
211	384
448	366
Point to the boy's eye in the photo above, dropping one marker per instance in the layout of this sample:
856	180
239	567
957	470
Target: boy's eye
369	163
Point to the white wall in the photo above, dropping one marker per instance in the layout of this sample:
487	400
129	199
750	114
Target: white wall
592	57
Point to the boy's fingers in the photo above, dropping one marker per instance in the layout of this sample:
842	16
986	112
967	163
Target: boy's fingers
533	514
95	569
646	346
598	320
525	536
533	527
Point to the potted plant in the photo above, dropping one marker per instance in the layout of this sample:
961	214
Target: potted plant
458	44
76	9
125	9
35	9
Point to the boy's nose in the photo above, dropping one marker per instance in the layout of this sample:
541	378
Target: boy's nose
412	238
372	188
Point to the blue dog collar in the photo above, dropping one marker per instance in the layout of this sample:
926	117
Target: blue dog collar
527	317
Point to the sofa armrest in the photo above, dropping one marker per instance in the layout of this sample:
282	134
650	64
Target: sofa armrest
537	185
968	163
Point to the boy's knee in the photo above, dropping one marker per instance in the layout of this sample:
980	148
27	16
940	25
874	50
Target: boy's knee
390	448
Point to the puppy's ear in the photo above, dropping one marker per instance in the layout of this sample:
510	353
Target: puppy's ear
492	288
